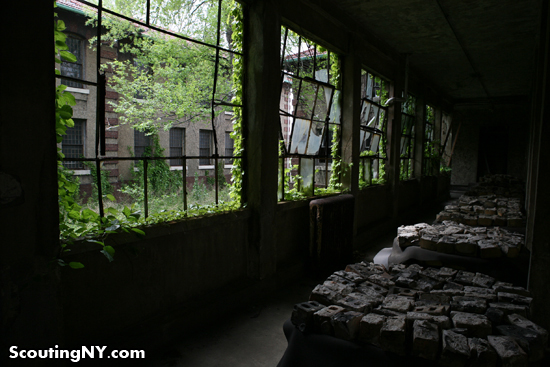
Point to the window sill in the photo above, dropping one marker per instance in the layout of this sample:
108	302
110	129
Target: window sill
206	167
81	172
229	166
77	90
178	168
323	167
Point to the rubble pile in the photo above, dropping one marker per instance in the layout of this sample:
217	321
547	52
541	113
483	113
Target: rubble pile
455	238
504	186
453	317
486	211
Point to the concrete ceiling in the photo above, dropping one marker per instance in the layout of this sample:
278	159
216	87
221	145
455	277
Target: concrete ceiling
470	49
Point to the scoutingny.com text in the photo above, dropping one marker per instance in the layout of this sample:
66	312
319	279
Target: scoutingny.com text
75	355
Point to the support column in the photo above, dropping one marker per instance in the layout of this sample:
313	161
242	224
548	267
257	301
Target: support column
538	211
262	86
351	111
393	162
419	131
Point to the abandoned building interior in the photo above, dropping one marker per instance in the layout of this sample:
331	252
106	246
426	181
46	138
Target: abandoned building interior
413	99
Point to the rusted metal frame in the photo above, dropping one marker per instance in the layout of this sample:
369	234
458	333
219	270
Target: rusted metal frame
132	20
216	68
102	159
184	178
100	114
284	49
294	118
148	15
82	81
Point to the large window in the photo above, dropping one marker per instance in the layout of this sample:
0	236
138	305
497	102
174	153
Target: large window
431	153
408	119
309	114
373	129
73	69
229	148
166	72
73	144
205	147
177	145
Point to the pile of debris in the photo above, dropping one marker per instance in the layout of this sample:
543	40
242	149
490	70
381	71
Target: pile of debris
454	317
489	210
504	186
459	239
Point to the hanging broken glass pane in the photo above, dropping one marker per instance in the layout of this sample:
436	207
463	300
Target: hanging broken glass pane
289	89
306	99
375	142
321	105
300	132
404	145
306	171
373	117
335	109
365	112
315	138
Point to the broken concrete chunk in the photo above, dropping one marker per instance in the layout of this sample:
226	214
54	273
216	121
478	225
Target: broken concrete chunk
340	288
381	280
479	290
455	351
373	287
529	340
509	308
446	245
403	292
369	328
514	298
428	242
324	295
322	319
393	336
453	285
397	303
425	339
434	299
488	249
477	325
435	310
351	276
485	220
483	281
346	324
509	352
303	313
447	273
521	321
468	304
511	289
481	353
464	277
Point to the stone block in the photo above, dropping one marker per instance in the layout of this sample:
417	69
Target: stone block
509	308
405	282
336	281
521	321
470	220
529	340
322	319
381	280
477	325
357	302
387	312
455	351
446	273
302	314
360	269
468	304
397	303
324	295
515	222
464	277
369	328
510	250
453	285
427	284
508	288
403	292
346	324
481	353
435	310
485	220
339	287
514	298
500	221
351	276
446	245
434	299
479	290
425	342
483	281
428	242
509	352
489	249
393	335
368	287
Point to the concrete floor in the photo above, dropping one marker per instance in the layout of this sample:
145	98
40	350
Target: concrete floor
254	337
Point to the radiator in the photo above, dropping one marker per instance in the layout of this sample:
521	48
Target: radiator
331	232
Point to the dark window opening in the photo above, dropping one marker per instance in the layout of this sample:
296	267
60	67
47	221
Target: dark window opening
205	147
177	145
73	144
73	69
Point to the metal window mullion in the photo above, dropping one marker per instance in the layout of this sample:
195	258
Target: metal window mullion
184	178
145	188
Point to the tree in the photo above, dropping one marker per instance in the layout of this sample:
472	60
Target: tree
162	79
